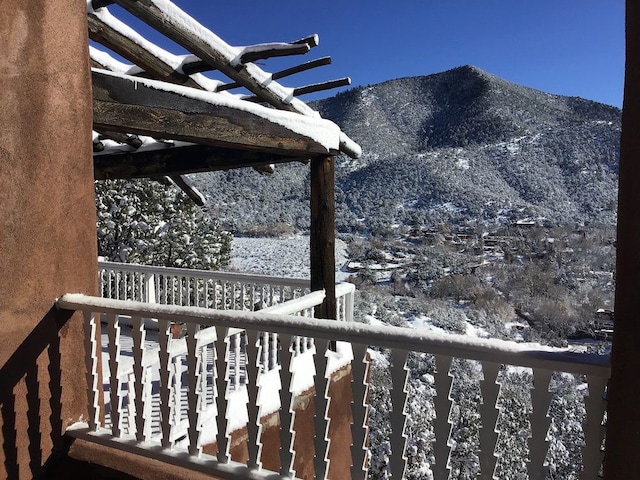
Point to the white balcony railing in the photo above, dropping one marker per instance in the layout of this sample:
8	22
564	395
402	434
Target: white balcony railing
222	291
196	288
193	404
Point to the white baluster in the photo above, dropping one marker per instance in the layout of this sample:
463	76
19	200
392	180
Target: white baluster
237	354
594	431
221	376
194	390
188	290
92	362
176	390
125	286
398	439
540	421
349	307
273	351
225	294
115	387
286	399
140	388
442	403
360	431
164	339
252	374
321	424
489	415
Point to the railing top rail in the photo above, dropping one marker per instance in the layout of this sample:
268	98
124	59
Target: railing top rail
488	350
289	307
206	274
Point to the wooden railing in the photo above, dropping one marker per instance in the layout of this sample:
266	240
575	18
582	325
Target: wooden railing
206	376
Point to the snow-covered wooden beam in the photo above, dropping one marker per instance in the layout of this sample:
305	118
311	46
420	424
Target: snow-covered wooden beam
178	161
251	54
174	23
118	37
319	87
284	73
140	106
258	52
314	87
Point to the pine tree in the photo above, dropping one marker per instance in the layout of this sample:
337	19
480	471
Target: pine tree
143	221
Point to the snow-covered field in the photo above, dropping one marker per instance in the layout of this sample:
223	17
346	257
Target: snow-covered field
287	257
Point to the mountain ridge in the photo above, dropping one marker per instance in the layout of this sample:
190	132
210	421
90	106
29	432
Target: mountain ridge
458	146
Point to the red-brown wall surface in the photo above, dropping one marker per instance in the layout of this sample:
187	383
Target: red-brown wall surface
47	226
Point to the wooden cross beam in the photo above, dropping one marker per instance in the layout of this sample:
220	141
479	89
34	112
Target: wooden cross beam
179	160
128	105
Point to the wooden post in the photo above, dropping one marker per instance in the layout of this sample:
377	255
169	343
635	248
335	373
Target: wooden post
623	422
323	239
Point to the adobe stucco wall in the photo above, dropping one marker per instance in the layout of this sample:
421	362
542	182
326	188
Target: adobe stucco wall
47	225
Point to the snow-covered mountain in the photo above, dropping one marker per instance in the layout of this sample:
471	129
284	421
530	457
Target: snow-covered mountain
455	146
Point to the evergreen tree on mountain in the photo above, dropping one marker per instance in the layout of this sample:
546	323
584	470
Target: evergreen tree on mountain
143	221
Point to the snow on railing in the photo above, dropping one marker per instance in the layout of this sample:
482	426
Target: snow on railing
209	404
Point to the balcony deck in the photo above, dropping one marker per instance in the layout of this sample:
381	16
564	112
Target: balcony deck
242	354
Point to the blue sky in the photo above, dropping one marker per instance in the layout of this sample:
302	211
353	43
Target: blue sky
568	47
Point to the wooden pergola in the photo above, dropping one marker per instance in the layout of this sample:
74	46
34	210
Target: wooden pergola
160	116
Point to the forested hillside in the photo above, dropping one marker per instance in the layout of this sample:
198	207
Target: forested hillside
459	147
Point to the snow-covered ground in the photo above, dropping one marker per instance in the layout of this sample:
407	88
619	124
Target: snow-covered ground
288	257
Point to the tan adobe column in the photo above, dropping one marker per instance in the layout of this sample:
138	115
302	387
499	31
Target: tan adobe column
47	225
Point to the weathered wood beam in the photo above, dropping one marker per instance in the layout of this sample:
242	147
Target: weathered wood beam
178	161
319	62
319	87
197	66
260	52
315	87
121	104
311	40
284	73
103	29
174	23
184	184
322	234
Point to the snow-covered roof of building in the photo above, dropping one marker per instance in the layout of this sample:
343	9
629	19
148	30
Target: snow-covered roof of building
161	115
